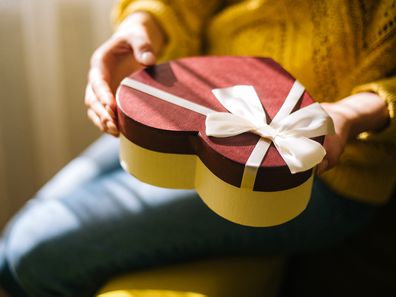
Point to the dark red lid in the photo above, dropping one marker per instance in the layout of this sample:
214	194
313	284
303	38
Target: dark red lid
164	127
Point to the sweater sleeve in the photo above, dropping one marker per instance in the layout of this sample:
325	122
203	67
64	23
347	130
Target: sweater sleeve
182	21
378	61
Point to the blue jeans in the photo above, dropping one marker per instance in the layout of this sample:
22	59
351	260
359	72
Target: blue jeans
93	221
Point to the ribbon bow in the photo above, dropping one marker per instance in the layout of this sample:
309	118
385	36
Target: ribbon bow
290	132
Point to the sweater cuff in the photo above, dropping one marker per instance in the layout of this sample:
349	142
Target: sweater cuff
178	42
386	89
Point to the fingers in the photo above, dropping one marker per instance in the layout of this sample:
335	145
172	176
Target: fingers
134	45
322	166
143	50
117	55
141	45
334	146
96	106
99	97
95	119
112	129
100	114
145	36
99	84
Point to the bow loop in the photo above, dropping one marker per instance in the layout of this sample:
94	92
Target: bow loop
242	100
310	121
266	131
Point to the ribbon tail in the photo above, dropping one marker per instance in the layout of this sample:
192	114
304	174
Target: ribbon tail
299	153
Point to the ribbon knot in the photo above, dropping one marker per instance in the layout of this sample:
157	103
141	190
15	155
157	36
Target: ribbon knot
290	132
266	131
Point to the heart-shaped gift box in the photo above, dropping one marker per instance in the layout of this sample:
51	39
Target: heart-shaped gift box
256	167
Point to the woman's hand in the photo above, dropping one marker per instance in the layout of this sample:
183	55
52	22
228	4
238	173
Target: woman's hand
133	46
334	144
351	116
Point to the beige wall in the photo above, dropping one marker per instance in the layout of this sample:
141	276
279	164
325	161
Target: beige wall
44	54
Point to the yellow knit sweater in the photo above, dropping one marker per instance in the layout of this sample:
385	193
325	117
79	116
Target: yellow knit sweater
334	47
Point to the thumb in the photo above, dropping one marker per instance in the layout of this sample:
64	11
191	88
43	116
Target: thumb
142	48
146	57
144	36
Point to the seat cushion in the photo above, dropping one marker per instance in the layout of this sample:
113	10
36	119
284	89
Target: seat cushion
253	276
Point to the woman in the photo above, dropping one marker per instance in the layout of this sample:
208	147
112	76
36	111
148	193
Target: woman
67	243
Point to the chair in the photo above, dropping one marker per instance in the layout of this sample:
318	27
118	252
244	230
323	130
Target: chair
250	276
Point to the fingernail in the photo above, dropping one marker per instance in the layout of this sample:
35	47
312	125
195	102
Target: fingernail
104	120
110	111
111	127
147	58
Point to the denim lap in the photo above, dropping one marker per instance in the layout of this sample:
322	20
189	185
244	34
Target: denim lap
70	243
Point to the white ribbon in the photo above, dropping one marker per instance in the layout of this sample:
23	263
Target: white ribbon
290	132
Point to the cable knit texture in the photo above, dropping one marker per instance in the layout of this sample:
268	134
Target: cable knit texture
334	47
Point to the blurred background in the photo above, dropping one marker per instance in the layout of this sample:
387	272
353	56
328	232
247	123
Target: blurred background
45	47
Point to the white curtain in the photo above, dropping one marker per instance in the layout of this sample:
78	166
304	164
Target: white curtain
45	48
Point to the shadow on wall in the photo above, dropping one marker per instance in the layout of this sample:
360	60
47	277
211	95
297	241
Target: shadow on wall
44	58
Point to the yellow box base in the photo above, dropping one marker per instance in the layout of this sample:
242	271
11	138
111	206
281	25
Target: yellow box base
241	206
